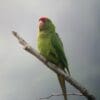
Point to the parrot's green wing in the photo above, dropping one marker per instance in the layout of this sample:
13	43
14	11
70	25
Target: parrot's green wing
59	50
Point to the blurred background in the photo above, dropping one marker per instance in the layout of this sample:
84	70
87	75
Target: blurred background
22	76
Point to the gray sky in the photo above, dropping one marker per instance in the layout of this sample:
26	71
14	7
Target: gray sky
22	76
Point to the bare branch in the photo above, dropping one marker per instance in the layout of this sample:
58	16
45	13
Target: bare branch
53	67
52	95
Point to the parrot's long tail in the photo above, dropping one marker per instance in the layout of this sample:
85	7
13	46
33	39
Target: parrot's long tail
63	86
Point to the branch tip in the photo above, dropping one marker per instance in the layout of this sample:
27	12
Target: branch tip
14	33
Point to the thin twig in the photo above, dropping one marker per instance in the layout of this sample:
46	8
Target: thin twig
52	95
54	68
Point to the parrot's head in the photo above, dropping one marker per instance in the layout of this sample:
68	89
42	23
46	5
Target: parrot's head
45	24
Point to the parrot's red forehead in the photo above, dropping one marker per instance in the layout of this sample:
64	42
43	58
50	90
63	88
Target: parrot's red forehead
43	19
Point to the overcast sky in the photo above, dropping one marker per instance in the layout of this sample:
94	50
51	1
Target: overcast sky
22	76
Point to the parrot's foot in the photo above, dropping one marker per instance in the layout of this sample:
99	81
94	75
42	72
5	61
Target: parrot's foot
44	59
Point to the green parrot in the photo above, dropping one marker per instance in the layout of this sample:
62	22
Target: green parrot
51	47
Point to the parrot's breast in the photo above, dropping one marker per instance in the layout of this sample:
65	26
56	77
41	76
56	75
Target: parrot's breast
44	45
46	48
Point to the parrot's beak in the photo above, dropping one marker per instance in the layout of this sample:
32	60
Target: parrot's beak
41	24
